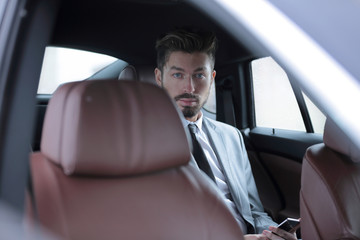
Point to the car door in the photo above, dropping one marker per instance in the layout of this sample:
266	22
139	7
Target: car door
278	123
284	123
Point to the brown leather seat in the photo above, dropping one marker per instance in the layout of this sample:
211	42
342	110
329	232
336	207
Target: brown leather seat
114	165
142	73
330	188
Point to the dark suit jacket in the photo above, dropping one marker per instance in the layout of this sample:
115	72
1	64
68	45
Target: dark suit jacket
228	145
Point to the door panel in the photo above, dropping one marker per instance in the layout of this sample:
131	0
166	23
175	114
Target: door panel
268	191
276	159
287	176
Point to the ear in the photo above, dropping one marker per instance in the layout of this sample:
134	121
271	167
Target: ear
213	76
157	73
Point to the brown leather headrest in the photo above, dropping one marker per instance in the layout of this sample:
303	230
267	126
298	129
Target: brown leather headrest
113	128
337	140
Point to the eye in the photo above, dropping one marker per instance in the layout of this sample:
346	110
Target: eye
199	75
177	75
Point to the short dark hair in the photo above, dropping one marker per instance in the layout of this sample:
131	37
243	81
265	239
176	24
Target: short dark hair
185	40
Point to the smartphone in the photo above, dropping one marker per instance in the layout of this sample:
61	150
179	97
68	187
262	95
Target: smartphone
290	225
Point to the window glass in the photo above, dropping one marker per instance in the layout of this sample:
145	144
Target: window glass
210	105
62	65
317	117
274	99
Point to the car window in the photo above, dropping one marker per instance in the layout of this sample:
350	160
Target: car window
210	105
275	102
62	65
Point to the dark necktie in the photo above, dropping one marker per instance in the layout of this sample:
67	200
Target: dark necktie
199	154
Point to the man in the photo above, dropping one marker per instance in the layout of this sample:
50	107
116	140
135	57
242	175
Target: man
185	68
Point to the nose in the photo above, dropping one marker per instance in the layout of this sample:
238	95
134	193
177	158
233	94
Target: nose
189	85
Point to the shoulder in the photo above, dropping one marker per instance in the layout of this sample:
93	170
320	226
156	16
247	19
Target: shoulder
223	129
219	125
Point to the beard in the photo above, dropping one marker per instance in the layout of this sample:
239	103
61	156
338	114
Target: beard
190	112
187	111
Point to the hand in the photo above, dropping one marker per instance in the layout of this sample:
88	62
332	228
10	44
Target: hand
278	234
255	237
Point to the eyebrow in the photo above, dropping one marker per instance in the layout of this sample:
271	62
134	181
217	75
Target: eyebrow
177	68
199	69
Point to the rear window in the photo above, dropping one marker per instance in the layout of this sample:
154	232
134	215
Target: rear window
62	65
275	103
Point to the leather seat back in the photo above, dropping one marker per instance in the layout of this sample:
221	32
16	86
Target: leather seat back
330	188
114	165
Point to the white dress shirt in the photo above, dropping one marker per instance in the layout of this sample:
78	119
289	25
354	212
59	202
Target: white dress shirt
216	168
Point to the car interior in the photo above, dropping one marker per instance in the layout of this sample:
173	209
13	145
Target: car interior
71	191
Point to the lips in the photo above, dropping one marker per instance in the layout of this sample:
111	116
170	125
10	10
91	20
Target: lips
187	101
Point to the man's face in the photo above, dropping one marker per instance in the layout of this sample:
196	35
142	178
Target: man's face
187	77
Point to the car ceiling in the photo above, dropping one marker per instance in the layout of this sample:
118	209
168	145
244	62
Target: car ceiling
128	29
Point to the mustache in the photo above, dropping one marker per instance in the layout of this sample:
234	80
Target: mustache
187	95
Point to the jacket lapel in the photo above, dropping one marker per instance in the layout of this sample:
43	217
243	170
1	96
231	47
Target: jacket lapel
217	143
